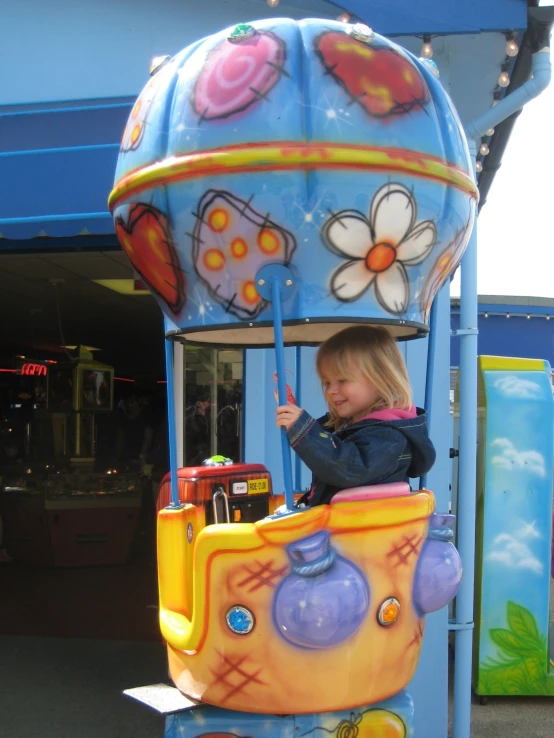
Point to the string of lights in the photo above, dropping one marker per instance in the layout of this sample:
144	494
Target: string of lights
512	50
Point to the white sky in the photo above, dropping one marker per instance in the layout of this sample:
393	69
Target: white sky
516	226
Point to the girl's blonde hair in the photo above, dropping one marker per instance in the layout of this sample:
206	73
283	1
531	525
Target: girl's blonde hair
372	353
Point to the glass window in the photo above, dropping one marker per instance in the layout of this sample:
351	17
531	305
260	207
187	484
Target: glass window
213	403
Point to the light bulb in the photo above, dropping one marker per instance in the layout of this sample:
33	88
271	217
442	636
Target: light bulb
273	3
512	48
528	317
548	317
157	63
490	132
484	149
479	167
486	315
427	50
507	315
504	79
344	17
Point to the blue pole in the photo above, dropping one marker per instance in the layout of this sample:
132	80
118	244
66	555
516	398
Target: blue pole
171	422
298	397
430	374
467	485
281	385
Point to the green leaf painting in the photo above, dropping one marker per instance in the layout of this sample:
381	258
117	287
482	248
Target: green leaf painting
521	666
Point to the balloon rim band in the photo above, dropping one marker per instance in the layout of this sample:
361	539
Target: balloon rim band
286	155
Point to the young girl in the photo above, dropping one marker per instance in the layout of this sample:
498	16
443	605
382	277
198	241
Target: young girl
372	433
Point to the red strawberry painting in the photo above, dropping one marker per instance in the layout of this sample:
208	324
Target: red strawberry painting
147	241
380	80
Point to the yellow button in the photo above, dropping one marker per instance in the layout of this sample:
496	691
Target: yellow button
236	516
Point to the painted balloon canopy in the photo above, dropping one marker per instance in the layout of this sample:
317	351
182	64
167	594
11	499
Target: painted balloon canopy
314	144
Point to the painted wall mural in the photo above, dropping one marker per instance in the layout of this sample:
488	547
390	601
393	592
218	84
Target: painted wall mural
514	529
332	150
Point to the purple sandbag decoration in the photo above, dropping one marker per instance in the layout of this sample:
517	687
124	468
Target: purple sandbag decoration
439	569
324	599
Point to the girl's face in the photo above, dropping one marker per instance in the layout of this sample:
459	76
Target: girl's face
350	398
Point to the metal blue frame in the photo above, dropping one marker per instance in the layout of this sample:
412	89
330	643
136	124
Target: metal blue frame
463	625
430	373
170	376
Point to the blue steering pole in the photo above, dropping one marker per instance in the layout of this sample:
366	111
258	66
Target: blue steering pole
271	281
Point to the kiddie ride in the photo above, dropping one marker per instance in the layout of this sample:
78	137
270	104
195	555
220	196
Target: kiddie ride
277	182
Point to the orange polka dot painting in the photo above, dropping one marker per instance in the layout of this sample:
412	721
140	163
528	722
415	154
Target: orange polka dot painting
231	242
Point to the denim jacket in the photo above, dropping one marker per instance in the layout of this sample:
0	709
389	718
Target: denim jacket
364	453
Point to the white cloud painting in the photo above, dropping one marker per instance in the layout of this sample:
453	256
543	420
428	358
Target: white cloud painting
511	386
514	554
510	458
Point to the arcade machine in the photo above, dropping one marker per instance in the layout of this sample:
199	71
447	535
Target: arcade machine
58	508
278	182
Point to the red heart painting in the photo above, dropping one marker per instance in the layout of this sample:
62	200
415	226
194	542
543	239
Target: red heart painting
379	79
146	239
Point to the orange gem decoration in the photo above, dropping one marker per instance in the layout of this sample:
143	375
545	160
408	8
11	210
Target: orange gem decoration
389	611
146	239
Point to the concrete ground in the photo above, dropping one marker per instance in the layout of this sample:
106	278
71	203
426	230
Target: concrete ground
72	688
513	717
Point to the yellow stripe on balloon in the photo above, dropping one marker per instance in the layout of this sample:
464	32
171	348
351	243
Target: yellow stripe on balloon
285	156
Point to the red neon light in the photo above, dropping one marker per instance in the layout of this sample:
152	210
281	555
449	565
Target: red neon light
34	370
123	379
8	371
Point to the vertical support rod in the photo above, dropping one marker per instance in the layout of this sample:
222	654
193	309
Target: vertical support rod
171	422
430	373
467	485
179	388
213	403
281	386
298	397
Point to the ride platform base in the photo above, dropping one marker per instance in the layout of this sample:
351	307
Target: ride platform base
391	718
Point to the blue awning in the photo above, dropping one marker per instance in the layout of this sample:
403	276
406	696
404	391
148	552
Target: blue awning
397	17
57	168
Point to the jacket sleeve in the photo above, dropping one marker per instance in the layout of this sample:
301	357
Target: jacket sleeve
363	458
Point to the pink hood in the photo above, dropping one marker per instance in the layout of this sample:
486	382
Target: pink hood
392	413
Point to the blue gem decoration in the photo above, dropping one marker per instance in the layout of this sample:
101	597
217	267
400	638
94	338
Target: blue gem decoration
240	620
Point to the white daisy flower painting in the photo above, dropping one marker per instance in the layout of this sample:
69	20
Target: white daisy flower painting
379	248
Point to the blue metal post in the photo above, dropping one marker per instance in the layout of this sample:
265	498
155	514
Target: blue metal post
171	422
298	397
430	373
467	485
281	385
